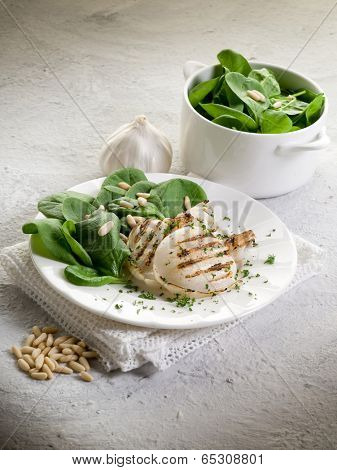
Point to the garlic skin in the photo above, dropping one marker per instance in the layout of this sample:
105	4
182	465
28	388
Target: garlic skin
138	144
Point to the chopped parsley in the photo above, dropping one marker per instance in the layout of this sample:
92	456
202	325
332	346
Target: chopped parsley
147	295
245	272
185	301
270	259
118	306
226	218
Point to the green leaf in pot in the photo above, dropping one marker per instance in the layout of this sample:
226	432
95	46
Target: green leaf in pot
69	231
50	233
149	211
275	122
127	175
172	194
200	91
230	122
75	209
267	80
84	276
314	109
240	85
234	62
140	187
217	110
51	206
224	95
108	253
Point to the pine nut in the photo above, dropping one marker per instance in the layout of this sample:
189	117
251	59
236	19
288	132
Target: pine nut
50	340
63	370
78	350
39	375
75	366
46	350
82	344
40	339
256	95
187	203
142	201
144	195
56	357
50	330
125	204
82	360
124	185
27	350
36	353
87	377
29	340
123	237
70	340
33	370
23	365
56	364
87	216
101	208
39	361
67	351
36	330
277	104
89	354
131	221
42	345
106	228
139	219
70	357
60	339
46	369
29	360
50	363
16	351
53	350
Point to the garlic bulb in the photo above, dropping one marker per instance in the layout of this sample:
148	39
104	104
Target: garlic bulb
138	144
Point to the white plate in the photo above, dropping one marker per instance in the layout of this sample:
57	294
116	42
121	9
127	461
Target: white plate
252	296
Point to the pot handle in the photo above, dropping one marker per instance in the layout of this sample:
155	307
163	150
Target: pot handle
192	66
321	141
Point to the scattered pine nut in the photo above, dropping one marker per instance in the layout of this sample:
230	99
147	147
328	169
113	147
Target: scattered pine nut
63	370
42	345
87	377
142	201
36	353
39	361
139	219
29	360
60	339
106	228
40	339
125	204
56	356
144	195
47	370
46	350
16	351
50	363
101	208
36	330
50	330
27	350
277	104
50	340
123	237
89	354
67	351
77	349
131	221
71	340
82	360
87	216
124	185
68	358
23	365
82	344
33	370
29	340
39	375
187	203
256	95
75	366
54	350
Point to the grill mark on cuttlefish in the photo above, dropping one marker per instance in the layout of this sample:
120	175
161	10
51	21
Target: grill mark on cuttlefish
190	262
145	243
215	267
188	251
240	240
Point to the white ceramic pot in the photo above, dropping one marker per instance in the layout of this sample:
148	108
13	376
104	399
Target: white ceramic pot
261	165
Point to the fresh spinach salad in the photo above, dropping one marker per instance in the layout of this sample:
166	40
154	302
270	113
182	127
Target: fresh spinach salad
89	233
252	100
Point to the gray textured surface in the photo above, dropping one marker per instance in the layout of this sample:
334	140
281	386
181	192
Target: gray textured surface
273	387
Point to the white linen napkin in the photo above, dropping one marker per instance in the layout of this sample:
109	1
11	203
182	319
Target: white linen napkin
124	346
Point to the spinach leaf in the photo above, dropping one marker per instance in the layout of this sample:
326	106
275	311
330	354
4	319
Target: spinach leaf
231	122
140	187
52	237
240	85
84	276
224	95
234	62
69	231
75	209
267	80
128	175
306	95
314	109
149	211
172	194
200	91
115	190
108	253
217	110
289	104
51	206
275	122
